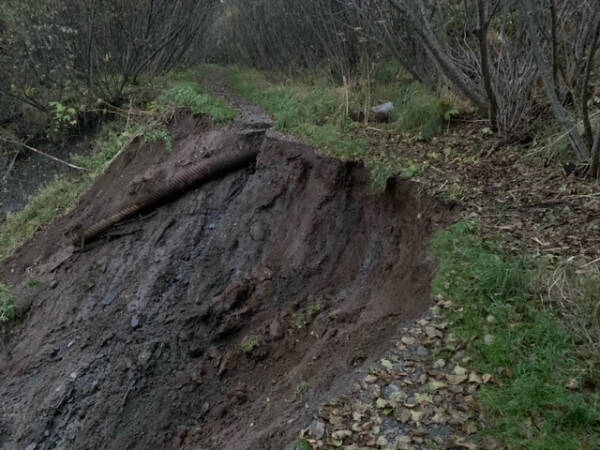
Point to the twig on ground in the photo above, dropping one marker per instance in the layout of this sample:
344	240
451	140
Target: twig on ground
591	263
377	129
35	150
583	196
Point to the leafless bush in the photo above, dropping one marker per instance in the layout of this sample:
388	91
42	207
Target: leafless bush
492	52
287	36
53	48
389	27
514	79
473	45
564	36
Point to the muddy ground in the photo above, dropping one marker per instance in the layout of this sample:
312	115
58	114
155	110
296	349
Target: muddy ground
219	320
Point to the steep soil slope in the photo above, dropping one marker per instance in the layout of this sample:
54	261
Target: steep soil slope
213	320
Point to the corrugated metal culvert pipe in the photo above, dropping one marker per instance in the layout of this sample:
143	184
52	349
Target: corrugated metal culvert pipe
180	183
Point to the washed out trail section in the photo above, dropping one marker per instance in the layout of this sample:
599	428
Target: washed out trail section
221	319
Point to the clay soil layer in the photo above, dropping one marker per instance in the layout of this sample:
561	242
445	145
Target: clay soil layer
218	320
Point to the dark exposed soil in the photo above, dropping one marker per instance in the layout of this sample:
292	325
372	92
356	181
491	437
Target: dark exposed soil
214	320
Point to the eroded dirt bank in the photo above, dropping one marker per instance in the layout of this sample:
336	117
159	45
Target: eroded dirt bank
213	320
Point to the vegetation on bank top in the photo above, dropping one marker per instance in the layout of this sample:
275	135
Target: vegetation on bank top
519	63
74	53
313	111
315	108
189	95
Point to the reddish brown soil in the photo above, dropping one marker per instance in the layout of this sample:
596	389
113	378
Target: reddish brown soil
136	341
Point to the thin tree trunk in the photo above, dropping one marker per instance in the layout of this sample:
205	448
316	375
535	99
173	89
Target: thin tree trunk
439	54
90	40
554	45
482	33
583	92
595	172
559	111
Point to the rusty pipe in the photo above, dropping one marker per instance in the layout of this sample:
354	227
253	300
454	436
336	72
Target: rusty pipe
181	182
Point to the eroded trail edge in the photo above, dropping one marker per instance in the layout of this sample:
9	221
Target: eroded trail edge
222	319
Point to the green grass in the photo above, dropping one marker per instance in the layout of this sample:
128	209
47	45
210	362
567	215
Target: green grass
418	110
302	444
8	310
160	135
315	308
313	111
250	343
575	293
189	95
299	320
301	390
53	201
531	352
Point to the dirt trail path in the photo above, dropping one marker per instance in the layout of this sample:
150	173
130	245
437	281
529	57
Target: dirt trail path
249	114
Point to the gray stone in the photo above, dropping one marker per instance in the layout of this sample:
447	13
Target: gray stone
390	389
422	352
109	299
385	108
135	322
205	409
317	429
383	112
144	358
275	330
